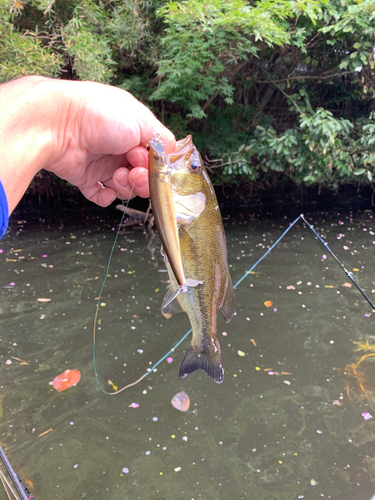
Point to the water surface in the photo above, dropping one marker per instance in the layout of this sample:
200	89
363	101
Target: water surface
287	423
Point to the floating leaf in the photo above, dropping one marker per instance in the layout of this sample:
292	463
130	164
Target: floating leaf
366	415
114	387
44	433
181	401
240	353
348	285
69	378
268	303
43	300
22	362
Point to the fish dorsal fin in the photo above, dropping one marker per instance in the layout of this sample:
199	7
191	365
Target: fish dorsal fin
229	305
170	304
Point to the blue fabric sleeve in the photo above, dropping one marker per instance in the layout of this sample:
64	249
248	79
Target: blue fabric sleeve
4	211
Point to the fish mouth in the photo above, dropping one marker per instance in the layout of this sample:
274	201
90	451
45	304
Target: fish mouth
183	147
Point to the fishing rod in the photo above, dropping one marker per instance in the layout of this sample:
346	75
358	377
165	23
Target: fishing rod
350	275
20	486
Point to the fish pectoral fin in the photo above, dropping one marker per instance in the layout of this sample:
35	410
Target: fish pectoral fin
229	305
170	304
187	245
207	359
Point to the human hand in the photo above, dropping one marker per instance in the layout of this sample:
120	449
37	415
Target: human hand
92	135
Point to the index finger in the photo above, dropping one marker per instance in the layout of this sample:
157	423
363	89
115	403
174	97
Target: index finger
118	122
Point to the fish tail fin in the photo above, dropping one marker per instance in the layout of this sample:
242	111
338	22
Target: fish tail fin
207	359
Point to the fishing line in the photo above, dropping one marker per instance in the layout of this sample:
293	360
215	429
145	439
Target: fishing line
6	484
22	491
99	299
150	370
97	311
5	488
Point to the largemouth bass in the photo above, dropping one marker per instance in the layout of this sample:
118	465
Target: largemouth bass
161	195
188	219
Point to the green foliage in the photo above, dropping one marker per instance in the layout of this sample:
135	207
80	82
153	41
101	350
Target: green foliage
319	150
204	42
24	55
355	28
273	90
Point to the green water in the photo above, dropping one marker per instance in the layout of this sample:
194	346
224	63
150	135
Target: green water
260	435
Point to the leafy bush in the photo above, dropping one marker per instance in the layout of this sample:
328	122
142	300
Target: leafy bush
319	150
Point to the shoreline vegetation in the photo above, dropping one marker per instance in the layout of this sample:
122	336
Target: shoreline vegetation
278	95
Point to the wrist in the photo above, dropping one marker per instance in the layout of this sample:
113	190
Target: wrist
27	142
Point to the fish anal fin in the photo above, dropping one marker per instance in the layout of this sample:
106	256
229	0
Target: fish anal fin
229	304
170	304
206	359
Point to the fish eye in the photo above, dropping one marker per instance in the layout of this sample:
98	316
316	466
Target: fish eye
195	167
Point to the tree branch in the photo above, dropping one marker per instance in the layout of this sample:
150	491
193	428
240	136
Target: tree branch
326	77
217	92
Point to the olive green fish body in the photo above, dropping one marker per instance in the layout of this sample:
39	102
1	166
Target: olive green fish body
203	253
